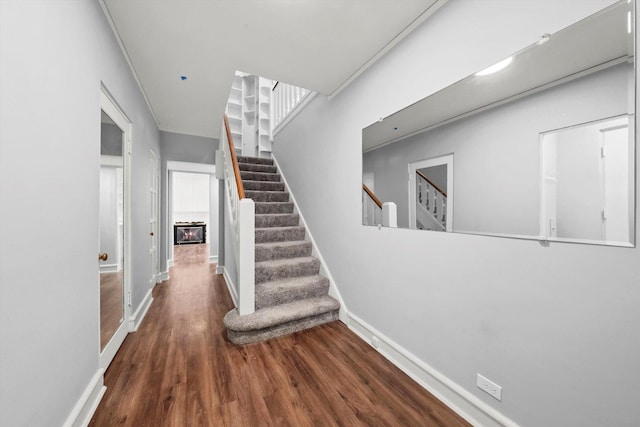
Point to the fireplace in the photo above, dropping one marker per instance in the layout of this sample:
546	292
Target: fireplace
188	233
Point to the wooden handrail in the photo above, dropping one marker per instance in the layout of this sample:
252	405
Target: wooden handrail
373	196
234	159
431	182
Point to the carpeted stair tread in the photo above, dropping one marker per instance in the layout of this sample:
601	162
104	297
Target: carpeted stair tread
267	196
254	160
273	207
269	317
284	291
263	185
253	167
285	268
259	176
279	250
290	293
277	220
279	234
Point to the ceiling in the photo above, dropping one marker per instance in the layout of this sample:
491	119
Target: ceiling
317	44
599	41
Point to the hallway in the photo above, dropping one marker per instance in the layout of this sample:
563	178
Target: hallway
179	369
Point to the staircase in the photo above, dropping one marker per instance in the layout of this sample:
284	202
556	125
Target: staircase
290	295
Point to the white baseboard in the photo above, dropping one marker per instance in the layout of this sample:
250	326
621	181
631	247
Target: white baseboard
138	316
164	276
213	259
82	412
465	404
230	285
169	263
324	270
219	269
108	268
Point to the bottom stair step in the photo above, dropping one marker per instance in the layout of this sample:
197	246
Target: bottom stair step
271	322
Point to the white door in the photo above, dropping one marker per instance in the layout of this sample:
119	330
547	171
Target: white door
616	183
153	217
114	213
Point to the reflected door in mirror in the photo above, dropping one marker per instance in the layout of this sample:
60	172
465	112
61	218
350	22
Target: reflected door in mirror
111	221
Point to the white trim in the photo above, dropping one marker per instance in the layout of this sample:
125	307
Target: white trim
85	407
324	270
230	285
191	167
110	107
141	312
164	276
213	259
170	264
465	404
108	268
293	113
401	35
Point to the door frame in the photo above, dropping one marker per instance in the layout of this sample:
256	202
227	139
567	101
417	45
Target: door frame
113	110
154	218
189	167
446	159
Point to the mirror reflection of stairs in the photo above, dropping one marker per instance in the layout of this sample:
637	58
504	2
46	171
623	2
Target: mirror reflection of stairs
291	295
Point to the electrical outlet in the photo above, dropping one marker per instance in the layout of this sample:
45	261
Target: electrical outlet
488	386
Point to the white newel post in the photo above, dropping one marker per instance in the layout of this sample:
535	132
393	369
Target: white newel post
246	243
389	215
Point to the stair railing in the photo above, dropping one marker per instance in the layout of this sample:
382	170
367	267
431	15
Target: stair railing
285	99
431	199
374	212
243	222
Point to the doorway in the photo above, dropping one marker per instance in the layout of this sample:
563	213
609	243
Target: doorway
114	223
587	182
431	194
180	207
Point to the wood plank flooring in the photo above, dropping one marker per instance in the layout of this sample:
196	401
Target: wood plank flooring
180	370
110	305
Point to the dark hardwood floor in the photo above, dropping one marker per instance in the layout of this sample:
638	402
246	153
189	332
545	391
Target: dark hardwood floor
180	370
110	305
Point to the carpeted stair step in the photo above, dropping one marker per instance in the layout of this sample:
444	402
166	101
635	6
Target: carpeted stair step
280	250
253	167
279	234
271	322
278	269
259	176
278	292
277	220
263	185
267	196
273	207
255	160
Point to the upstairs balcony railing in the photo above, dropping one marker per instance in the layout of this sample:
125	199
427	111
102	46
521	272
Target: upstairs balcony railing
286	101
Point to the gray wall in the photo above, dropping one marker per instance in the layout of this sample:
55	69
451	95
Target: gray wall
53	57
545	323
179	147
496	153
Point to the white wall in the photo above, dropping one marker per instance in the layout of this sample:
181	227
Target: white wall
555	326
53	57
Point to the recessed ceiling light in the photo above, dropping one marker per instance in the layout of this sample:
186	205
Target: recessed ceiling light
495	67
183	78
